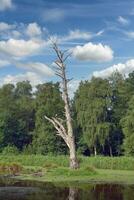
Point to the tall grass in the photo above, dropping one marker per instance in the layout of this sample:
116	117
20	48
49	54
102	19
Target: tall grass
35	160
119	163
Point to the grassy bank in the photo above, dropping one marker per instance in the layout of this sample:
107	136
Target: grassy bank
55	169
100	176
118	163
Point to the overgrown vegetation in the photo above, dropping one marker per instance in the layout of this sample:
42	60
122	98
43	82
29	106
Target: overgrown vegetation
102	111
55	162
10	168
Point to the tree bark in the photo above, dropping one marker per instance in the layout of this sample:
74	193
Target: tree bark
73	194
110	149
66	133
95	151
73	159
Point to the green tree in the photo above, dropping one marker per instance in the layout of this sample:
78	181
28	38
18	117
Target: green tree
127	123
122	91
25	114
48	102
16	115
7	108
92	102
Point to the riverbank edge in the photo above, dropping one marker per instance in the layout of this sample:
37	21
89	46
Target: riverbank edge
121	177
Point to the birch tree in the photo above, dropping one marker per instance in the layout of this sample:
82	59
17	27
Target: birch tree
65	131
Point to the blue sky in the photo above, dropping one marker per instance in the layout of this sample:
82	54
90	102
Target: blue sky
100	34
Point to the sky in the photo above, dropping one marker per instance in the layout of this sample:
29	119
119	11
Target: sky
98	33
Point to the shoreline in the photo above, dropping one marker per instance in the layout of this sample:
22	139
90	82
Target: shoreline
120	177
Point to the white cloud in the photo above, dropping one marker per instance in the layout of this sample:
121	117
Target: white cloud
78	34
15	34
5	4
4	26
129	34
53	15
93	52
33	29
19	48
3	63
73	86
123	68
35	73
28	76
36	67
21	30
123	21
100	33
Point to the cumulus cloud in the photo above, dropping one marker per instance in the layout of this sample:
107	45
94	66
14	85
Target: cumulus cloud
36	67
129	34
123	21
21	30
9	31
32	77
4	63
5	4
123	68
19	48
77	34
73	86
35	73
93	52
4	26
33	30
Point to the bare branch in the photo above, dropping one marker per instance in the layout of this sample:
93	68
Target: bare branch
68	80
59	74
60	125
58	52
60	129
57	62
67	57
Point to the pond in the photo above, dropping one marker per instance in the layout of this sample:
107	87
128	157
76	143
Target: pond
25	190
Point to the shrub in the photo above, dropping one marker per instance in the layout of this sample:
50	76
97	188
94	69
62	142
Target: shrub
10	150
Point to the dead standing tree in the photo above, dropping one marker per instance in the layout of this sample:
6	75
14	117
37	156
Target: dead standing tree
65	132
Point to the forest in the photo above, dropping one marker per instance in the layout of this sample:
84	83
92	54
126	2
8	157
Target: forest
102	112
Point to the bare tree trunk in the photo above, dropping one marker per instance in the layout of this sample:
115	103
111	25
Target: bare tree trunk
95	151
73	158
66	133
110	149
73	194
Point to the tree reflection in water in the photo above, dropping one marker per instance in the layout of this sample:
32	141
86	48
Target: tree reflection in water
73	193
42	191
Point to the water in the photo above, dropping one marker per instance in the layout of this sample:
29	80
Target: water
16	190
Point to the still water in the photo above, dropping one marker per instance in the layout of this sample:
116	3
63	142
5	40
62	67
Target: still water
15	190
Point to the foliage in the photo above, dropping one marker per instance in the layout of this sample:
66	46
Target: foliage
16	115
127	123
48	102
102	112
10	150
54	162
92	102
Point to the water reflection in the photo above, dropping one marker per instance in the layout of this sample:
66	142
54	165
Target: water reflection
15	190
73	193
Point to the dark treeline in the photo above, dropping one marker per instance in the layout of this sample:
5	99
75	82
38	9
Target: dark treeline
102	112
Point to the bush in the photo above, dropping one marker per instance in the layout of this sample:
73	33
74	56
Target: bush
10	150
27	150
